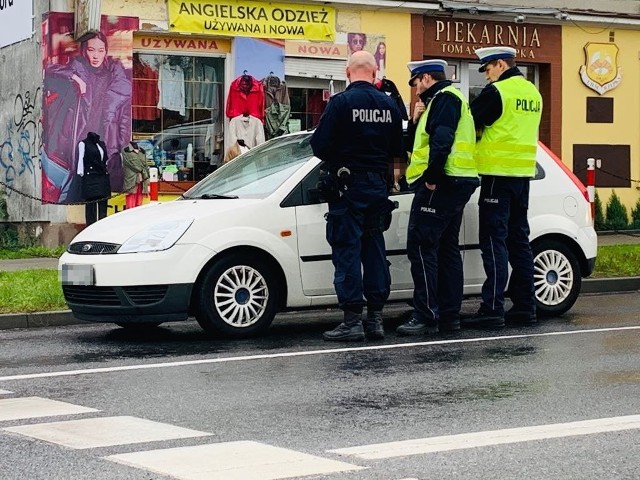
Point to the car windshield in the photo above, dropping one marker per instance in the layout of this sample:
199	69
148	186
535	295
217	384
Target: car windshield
256	173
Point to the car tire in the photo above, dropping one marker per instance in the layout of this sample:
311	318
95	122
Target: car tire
237	297
556	276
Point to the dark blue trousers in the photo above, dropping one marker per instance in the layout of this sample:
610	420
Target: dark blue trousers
357	244
434	252
504	240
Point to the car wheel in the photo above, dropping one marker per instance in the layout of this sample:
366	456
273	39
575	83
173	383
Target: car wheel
237	297
556	276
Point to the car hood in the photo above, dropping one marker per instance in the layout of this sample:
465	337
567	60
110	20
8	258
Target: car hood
117	228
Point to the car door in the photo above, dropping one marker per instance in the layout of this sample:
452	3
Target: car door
316	268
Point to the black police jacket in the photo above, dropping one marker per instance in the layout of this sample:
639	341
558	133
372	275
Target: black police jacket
361	128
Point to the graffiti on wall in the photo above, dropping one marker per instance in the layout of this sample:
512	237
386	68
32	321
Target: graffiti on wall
21	140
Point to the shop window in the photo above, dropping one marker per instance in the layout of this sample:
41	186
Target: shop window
177	111
307	105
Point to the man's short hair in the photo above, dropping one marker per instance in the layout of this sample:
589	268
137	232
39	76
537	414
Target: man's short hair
438	76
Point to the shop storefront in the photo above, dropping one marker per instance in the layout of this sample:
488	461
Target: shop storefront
178	103
539	57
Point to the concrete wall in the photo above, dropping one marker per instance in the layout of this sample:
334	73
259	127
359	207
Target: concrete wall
21	127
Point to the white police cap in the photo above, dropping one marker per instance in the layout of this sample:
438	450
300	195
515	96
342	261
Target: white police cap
425	66
489	54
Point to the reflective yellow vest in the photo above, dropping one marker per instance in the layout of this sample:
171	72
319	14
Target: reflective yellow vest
460	162
508	147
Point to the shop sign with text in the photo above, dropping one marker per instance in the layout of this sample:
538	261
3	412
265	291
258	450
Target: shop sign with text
601	72
253	19
181	44
16	21
461	38
293	48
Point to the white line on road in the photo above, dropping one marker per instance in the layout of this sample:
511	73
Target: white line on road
104	432
327	351
36	407
244	460
5	392
492	437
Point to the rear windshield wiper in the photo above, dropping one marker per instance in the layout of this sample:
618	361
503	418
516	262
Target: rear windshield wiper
211	196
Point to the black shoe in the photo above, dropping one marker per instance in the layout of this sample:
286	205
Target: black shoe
350	330
449	325
483	320
416	327
373	327
520	317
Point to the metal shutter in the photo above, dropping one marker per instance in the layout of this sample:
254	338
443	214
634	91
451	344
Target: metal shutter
315	68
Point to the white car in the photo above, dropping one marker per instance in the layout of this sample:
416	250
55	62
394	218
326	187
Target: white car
249	241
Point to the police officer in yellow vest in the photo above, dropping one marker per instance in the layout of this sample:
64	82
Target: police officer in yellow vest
507	115
443	174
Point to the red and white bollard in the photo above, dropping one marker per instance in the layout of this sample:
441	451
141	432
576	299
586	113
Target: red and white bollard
591	185
153	184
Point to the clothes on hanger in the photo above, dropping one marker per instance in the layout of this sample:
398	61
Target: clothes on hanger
247	128
387	86
277	106
136	174
246	95
145	95
172	88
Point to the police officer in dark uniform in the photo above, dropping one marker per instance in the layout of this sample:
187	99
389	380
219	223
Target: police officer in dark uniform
359	135
507	115
443	174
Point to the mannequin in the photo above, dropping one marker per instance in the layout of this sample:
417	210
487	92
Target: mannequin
92	167
136	174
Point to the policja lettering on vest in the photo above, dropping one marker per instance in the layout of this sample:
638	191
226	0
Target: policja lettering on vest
528	105
371	115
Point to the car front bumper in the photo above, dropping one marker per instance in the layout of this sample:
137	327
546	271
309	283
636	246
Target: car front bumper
134	304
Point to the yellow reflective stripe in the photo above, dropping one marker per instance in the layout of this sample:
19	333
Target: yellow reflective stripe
508	147
508	163
464	162
464	147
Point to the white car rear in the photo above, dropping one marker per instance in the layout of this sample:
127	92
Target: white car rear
249	241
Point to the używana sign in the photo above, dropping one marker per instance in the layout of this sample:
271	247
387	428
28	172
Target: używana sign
253	19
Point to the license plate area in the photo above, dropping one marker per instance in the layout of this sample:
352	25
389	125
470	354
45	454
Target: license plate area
72	274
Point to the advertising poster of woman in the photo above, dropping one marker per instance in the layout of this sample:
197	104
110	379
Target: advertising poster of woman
87	88
369	42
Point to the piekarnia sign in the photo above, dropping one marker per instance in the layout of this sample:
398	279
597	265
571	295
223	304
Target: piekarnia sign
253	19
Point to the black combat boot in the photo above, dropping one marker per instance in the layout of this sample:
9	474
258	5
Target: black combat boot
520	316
350	330
416	327
373	328
483	320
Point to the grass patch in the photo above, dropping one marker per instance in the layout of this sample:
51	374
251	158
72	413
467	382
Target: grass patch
617	261
30	291
31	252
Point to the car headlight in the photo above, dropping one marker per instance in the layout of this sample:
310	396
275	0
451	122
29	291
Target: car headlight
160	236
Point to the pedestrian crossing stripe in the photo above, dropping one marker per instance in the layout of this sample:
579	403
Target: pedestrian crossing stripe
243	460
104	432
36	407
493	437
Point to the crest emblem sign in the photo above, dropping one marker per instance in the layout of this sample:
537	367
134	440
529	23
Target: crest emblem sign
601	71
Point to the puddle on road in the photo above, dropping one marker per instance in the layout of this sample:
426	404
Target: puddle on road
422	399
631	377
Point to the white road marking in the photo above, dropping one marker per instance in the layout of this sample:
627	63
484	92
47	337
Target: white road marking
243	460
35	407
104	432
493	437
5	392
327	351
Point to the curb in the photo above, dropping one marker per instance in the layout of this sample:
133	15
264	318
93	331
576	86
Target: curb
65	317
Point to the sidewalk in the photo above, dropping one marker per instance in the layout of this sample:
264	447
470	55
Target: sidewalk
65	317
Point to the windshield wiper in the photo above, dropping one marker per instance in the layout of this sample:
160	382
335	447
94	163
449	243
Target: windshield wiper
211	196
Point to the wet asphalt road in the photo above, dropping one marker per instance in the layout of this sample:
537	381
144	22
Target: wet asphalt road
287	390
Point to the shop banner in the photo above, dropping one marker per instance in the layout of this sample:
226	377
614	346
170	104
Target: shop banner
253	19
16	19
165	43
